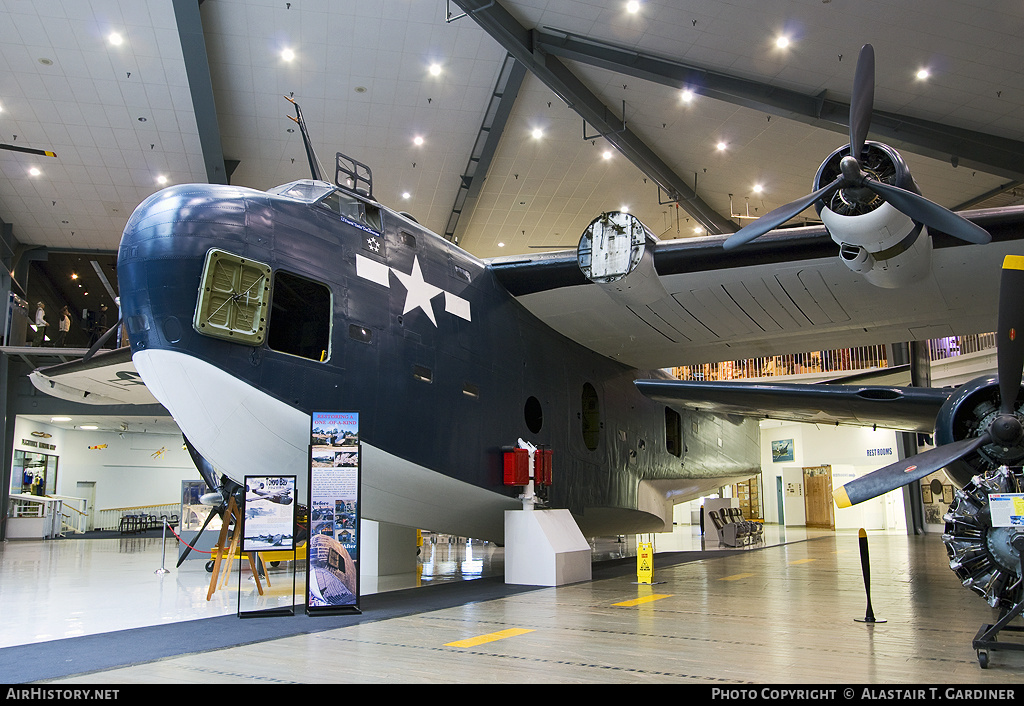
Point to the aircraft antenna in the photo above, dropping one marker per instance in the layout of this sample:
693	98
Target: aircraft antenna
314	163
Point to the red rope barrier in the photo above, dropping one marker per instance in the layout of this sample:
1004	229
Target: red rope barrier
204	551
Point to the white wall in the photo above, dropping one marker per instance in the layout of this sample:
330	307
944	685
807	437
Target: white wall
126	472
851	451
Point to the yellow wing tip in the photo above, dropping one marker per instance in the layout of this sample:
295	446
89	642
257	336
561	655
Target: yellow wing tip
841	498
1013	262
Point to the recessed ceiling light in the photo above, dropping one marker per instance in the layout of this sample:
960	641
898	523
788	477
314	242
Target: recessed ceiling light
142	119
90	427
115	39
287	54
406	195
45	62
782	42
633	6
74	276
161	179
624	209
501	245
360	89
721	146
698	230
417	140
758	188
923	74
686	95
537	133
60	419
607	154
435	69
34	171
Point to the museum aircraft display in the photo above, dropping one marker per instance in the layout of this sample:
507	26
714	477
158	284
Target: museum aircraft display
248	310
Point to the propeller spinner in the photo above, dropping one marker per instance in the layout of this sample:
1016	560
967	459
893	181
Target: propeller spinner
1004	428
860	186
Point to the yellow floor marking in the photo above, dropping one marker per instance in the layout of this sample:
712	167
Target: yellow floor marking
644	599
735	577
490	637
800	561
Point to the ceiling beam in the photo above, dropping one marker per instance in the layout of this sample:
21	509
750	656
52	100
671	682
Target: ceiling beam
519	42
975	150
200	85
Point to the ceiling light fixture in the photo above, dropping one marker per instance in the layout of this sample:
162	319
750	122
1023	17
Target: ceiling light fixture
287	54
406	195
633	7
923	74
60	419
74	276
758	188
606	154
115	39
90	427
698	230
417	140
435	69
537	133
34	171
782	42
501	245
686	95
161	179
721	146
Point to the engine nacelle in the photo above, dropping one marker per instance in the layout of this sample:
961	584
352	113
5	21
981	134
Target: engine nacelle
965	414
875	240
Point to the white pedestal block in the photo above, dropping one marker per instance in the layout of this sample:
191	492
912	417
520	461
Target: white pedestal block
544	548
386	549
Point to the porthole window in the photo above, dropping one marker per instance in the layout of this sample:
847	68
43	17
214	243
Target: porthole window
534	415
360	333
300	319
590	417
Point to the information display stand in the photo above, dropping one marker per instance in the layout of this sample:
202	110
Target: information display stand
332	564
268	525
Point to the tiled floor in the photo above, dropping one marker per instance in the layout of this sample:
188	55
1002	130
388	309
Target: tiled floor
779	614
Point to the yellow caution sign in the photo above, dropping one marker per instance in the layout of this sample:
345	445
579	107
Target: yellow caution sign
644	562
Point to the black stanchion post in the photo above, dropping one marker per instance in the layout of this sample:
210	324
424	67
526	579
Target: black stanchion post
865	566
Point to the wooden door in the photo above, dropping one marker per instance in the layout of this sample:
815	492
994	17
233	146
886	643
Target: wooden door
818	497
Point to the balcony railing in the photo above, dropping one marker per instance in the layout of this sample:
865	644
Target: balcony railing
831	361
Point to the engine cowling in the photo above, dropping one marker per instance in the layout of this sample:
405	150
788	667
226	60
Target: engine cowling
969	411
884	245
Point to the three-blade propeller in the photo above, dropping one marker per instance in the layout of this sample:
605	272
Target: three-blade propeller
861	186
1005	427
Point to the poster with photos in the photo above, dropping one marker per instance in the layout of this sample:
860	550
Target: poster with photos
269	519
332	573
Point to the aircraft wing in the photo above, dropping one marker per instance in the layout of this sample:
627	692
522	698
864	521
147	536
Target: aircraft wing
902	408
787	292
106	378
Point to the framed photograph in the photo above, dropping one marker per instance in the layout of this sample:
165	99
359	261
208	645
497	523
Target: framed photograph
782	450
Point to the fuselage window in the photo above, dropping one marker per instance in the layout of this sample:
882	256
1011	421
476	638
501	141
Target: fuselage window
300	317
534	414
673	432
408	239
352	209
590	417
471	390
423	374
360	333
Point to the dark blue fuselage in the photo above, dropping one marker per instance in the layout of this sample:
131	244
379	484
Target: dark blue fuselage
447	395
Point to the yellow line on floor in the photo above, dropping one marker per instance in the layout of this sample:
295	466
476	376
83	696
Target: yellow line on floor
643	599
489	637
801	561
735	577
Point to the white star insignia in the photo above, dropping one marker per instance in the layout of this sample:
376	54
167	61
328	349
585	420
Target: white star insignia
417	292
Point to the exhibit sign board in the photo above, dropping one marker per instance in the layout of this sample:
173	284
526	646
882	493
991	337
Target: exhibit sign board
1007	509
269	519
332	573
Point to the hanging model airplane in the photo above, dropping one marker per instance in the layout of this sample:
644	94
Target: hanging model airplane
248	310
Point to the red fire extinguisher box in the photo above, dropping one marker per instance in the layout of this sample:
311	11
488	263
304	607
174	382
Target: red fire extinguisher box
517	467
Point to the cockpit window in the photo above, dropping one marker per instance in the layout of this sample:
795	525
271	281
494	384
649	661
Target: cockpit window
352	209
307	190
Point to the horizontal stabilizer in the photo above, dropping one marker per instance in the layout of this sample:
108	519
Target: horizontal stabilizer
902	408
106	378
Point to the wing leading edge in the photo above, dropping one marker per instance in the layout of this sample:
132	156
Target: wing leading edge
901	408
105	379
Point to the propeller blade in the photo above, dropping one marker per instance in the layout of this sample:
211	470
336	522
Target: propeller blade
929	213
906	471
1010	341
773	219
863	100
